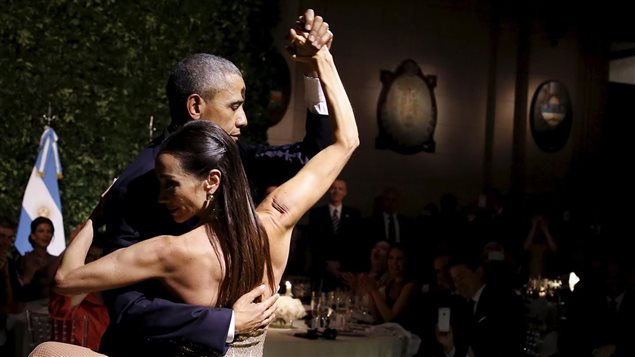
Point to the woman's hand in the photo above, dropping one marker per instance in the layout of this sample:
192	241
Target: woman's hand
350	279
368	283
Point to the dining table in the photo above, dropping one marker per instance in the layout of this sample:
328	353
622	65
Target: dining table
282	342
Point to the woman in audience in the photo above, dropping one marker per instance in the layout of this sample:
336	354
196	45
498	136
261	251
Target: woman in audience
36	269
393	302
540	245
378	267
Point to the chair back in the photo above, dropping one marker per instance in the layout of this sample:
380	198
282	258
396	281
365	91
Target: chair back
42	327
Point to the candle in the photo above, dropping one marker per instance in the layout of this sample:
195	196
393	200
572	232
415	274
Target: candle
288	286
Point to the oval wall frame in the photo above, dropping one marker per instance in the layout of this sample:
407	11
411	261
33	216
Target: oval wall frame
550	116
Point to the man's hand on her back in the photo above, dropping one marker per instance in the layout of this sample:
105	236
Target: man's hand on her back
250	316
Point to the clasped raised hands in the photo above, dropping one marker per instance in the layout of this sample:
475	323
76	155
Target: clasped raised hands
309	35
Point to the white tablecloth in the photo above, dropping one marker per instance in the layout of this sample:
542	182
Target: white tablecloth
281	342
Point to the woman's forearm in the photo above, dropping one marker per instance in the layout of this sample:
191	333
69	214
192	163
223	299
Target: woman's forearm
340	109
75	254
384	310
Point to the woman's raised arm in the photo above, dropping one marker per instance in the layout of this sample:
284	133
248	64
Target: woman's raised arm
145	260
282	209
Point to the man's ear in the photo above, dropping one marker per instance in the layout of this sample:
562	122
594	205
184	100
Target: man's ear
212	182
195	105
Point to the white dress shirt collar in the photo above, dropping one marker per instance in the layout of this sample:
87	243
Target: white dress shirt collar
332	208
477	296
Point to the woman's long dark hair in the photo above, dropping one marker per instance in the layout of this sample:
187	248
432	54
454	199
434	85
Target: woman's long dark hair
201	146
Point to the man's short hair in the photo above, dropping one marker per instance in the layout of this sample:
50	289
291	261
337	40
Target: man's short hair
202	74
467	257
8	223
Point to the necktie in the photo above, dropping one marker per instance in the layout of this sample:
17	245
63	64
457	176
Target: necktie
336	220
392	232
613	309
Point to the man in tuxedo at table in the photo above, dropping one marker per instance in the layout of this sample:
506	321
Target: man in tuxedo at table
200	87
495	319
333	230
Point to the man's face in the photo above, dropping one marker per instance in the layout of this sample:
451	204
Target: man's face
465	280
337	192
390	202
182	194
442	272
7	235
226	107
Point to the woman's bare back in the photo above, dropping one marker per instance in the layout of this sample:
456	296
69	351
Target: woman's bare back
198	269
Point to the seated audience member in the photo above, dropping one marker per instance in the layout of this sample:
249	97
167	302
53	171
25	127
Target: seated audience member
379	262
378	269
499	267
7	266
441	293
496	320
394	302
90	305
36	269
7	279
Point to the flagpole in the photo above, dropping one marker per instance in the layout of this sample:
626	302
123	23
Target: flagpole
151	128
48	118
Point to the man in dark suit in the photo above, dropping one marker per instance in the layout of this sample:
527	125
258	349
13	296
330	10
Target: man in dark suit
333	229
495	318
387	223
143	321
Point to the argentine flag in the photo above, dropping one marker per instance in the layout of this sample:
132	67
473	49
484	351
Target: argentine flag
42	196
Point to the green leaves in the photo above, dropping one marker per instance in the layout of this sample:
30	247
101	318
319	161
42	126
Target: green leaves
102	65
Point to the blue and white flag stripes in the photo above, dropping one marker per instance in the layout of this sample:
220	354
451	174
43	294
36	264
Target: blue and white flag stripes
42	196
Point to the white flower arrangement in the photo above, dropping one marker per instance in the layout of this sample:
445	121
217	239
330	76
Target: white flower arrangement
289	310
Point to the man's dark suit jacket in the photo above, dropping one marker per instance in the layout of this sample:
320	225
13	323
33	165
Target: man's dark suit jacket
497	327
143	320
376	230
342	246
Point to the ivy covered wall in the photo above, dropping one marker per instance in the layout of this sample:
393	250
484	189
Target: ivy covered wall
102	66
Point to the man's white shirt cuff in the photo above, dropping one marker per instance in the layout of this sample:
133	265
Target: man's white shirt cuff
232	330
314	98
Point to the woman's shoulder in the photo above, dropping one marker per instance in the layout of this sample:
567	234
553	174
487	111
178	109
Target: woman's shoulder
28	255
187	244
164	247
